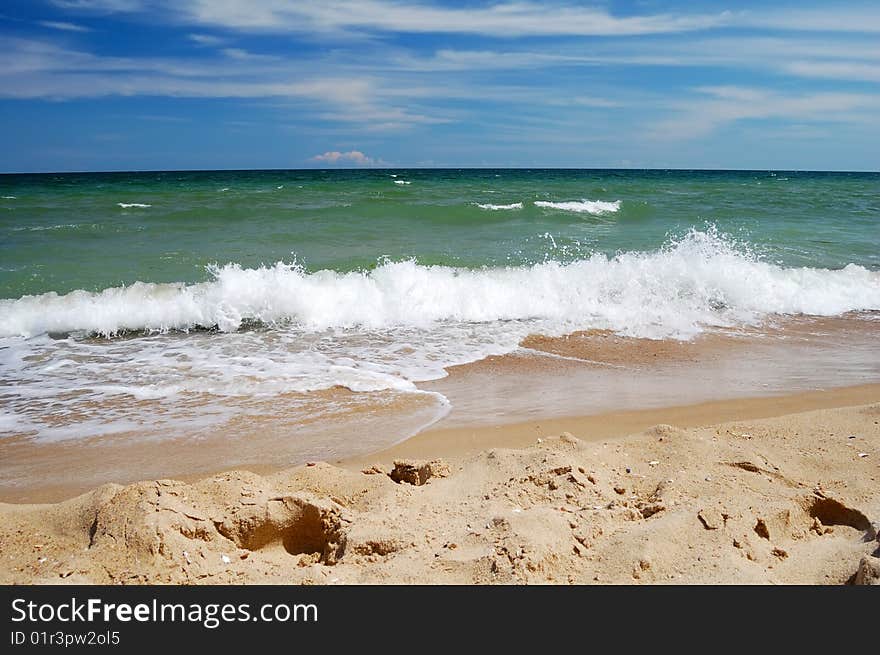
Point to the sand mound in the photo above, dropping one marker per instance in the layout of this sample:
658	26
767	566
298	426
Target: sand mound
792	499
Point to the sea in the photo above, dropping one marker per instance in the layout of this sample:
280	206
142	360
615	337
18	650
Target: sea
322	306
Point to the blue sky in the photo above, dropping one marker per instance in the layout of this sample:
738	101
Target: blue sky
209	84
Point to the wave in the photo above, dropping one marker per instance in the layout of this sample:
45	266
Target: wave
127	205
594	207
402	182
513	205
701	279
9	197
41	228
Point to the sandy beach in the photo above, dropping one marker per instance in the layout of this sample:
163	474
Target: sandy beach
425	292
763	491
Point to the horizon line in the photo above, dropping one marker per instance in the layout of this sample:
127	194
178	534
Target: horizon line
438	168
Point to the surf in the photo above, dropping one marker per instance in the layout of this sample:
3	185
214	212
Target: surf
700	279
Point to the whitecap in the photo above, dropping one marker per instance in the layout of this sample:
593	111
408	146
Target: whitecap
491	207
594	207
698	280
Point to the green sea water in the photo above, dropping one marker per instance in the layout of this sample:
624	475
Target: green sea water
73	231
204	304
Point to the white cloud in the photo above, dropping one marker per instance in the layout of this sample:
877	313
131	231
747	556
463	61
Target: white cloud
831	57
830	18
500	19
351	157
108	6
719	106
206	39
243	55
836	70
66	27
37	69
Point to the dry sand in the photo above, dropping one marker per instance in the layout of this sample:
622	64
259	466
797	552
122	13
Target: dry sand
789	499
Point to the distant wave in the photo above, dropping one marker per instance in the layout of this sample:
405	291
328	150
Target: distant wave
700	279
513	205
402	182
9	197
127	205
594	207
41	228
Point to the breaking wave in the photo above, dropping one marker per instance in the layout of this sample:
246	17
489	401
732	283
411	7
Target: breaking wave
489	206
594	207
702	279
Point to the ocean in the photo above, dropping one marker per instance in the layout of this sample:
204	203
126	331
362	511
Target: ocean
319	305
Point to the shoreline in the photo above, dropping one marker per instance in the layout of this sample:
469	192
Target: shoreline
790	499
457	443
583	381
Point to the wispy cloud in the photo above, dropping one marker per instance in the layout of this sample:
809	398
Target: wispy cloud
715	107
350	157
505	19
243	55
835	70
497	19
832	17
65	27
206	39
467	60
833	57
107	6
37	69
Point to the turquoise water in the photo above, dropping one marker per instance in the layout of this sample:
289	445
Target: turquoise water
155	304
66	232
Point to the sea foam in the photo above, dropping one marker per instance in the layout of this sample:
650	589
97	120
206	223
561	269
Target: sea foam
594	207
491	207
127	205
702	279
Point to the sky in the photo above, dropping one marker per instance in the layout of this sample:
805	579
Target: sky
233	84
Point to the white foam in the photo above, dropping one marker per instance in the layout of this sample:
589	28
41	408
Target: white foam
381	330
700	279
594	207
402	182
41	228
9	197
491	207
127	205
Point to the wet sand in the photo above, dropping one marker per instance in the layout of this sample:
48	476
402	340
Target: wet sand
593	384
458	443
